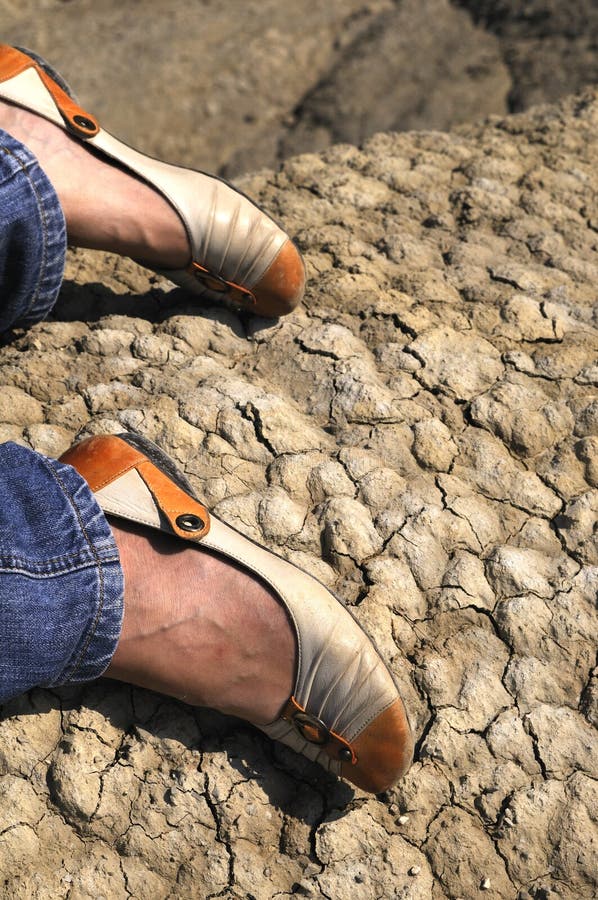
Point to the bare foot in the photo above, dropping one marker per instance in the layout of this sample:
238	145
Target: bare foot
106	208
198	628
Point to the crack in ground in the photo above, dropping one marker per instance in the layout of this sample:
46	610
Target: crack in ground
252	414
220	837
527	724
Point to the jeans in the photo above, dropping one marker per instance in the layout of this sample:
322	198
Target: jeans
61	583
32	237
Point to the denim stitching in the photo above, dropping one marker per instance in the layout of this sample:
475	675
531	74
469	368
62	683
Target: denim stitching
94	625
39	576
11	562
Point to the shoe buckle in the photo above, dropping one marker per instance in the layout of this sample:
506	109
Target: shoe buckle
219	285
314	731
311	728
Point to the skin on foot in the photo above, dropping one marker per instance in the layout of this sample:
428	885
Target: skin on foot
105	207
195	627
199	628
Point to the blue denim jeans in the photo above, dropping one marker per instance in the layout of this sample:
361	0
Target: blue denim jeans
32	237
61	583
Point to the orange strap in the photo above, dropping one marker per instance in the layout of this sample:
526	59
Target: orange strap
235	292
13	63
186	516
104	458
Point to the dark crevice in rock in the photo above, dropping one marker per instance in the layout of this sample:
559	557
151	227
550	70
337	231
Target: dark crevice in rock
535	746
222	838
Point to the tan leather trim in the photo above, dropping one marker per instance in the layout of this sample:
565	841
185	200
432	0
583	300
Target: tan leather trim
78	121
13	62
337	747
277	292
102	459
173	501
384	751
235	292
281	288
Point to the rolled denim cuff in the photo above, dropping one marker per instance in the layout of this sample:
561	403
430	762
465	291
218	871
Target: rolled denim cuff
100	585
32	237
61	583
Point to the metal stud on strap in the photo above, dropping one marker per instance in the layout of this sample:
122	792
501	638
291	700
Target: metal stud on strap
189	522
84	122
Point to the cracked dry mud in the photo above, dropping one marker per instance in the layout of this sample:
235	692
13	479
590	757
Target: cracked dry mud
423	435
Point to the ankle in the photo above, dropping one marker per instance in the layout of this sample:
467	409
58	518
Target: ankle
201	629
105	206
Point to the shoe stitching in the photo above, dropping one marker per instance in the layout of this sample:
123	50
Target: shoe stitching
240	262
373	717
263	250
207	236
231	230
356	689
313	672
112	477
329	693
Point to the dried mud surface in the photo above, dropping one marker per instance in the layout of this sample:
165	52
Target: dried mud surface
423	435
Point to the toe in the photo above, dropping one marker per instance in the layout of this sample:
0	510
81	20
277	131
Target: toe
384	751
280	289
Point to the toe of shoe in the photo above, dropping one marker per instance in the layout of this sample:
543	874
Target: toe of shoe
281	287
384	751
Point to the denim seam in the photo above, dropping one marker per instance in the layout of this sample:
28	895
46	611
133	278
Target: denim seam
44	224
10	562
101	588
27	573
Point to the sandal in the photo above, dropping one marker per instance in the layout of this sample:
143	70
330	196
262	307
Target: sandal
345	711
238	251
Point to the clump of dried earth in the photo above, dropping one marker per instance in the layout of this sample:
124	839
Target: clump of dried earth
423	435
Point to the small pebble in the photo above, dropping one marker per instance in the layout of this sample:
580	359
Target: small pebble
402	820
415	870
485	885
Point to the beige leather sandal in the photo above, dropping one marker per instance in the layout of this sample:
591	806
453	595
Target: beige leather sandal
345	711
238	251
